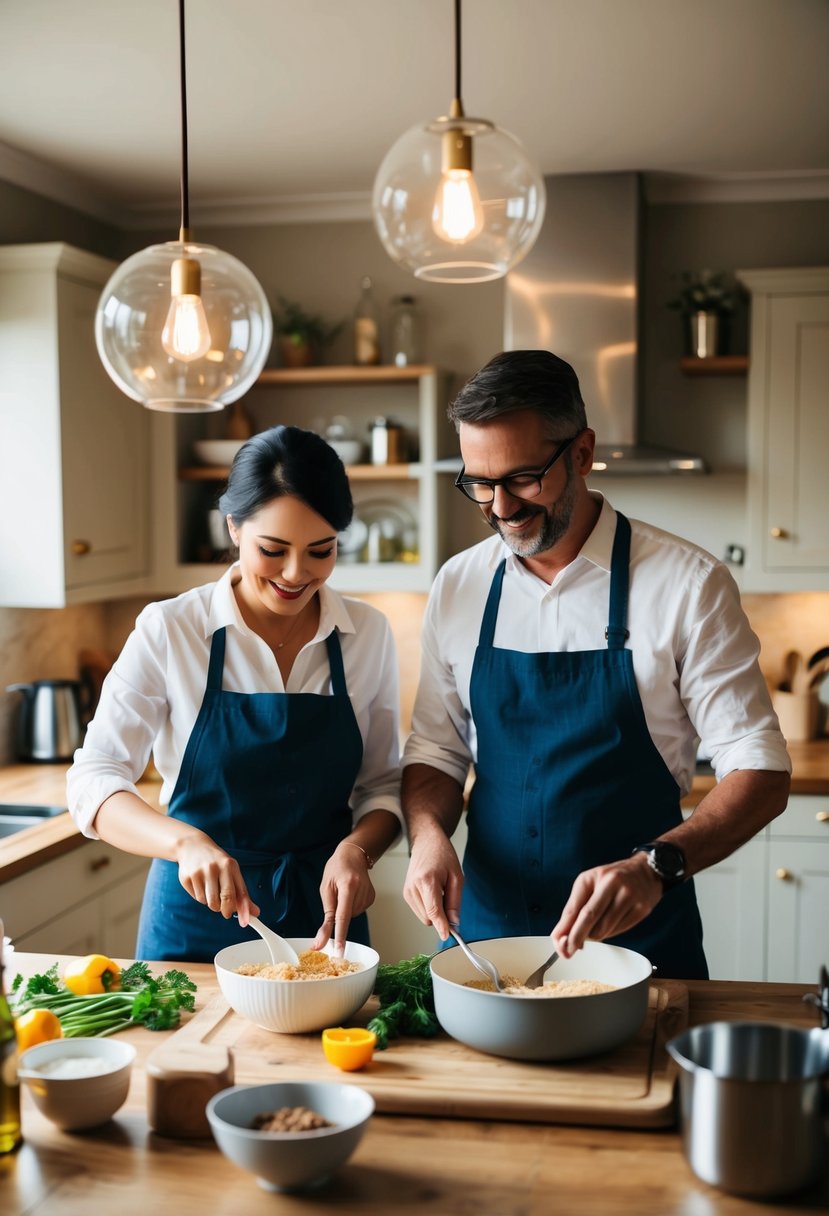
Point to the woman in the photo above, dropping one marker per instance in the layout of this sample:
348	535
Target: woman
271	706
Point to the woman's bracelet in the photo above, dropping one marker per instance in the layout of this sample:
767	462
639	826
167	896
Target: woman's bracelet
369	860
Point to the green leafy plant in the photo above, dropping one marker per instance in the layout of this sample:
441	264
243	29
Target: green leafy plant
301	328
706	291
406	1002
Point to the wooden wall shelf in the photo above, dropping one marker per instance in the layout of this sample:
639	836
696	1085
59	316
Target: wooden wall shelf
357	472
717	365
347	374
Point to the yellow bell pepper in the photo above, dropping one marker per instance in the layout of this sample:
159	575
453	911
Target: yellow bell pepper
94	973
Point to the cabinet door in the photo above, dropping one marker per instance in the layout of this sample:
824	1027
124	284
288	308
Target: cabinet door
121	907
798	910
77	931
105	455
731	897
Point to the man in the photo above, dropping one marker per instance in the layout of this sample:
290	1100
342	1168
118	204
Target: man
574	659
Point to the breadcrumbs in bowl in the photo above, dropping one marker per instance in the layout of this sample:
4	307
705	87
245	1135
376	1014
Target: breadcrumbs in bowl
260	991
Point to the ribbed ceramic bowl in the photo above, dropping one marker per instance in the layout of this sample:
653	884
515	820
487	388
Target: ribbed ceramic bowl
288	1161
295	1006
75	1103
541	1028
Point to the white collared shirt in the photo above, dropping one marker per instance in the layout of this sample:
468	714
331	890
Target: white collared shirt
152	696
694	653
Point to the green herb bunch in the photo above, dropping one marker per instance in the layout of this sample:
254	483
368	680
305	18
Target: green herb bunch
706	291
142	999
406	1002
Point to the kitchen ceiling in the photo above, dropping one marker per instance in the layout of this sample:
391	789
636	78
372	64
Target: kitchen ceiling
293	103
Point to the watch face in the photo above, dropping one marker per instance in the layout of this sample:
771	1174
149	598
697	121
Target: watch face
668	860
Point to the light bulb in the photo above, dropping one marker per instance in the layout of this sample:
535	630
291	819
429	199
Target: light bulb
457	214
186	334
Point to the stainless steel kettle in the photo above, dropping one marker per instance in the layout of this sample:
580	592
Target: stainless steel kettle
50	722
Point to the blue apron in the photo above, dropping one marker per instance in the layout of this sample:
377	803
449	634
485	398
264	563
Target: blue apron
268	776
567	778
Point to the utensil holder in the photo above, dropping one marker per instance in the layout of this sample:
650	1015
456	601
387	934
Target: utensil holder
798	714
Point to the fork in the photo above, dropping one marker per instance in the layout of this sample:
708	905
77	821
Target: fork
537	978
479	962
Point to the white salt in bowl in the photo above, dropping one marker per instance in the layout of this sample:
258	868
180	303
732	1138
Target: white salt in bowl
288	1161
59	1076
542	1028
295	1006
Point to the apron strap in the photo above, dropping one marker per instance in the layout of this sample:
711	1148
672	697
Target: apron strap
616	632
217	660
335	661
487	634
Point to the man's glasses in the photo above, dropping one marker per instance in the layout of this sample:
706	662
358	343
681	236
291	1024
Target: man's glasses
525	484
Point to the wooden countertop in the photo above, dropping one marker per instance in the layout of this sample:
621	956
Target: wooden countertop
46	783
403	1165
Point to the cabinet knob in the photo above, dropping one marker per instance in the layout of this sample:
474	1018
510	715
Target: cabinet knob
783	874
80	547
822	816
100	863
778	533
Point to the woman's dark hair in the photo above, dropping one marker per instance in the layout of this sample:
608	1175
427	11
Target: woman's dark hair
287	460
523	380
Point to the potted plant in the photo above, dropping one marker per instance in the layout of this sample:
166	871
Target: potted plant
706	298
301	336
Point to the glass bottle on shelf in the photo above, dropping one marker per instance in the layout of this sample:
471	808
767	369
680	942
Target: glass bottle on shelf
10	1136
366	327
404	335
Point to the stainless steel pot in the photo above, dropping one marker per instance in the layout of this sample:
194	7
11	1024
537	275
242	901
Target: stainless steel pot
50	722
750	1105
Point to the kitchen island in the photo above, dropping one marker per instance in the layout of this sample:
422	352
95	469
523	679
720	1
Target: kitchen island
448	1167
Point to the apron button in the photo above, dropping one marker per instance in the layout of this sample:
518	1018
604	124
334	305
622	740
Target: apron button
535	908
532	832
535	863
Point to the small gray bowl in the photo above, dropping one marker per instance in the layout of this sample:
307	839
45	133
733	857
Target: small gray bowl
290	1161
542	1028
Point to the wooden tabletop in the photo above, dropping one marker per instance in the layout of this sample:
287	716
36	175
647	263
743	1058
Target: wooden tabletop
404	1165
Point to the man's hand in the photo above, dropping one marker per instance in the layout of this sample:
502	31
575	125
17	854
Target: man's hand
434	882
606	901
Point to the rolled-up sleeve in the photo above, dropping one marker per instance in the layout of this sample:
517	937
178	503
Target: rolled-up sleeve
119	740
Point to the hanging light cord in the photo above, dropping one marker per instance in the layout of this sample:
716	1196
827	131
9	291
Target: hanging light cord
457	49
185	197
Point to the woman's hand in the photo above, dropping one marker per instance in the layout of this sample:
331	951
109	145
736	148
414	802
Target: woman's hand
346	891
213	878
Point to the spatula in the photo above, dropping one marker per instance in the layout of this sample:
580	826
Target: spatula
537	978
279	950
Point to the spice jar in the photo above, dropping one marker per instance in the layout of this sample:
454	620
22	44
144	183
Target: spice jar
404	332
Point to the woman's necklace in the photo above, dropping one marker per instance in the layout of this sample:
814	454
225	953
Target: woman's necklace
287	637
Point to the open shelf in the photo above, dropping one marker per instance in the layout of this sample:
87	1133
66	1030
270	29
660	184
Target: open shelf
356	472
346	374
716	365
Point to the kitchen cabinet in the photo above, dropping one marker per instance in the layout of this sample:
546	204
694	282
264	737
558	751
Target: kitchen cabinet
765	909
85	902
788	436
75	450
414	493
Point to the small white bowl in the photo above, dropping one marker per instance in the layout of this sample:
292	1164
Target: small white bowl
217	451
350	451
295	1006
289	1161
75	1103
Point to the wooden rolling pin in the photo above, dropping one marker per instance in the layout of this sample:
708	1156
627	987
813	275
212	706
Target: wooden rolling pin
184	1074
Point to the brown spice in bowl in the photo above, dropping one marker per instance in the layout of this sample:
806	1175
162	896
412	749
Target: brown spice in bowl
289	1119
313	965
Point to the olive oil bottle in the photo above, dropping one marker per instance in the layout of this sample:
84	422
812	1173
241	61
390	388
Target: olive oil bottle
10	1136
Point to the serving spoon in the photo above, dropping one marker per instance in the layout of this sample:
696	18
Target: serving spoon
279	950
479	963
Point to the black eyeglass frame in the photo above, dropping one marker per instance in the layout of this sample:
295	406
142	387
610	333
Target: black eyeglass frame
462	481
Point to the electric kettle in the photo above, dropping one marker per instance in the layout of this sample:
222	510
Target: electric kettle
50	722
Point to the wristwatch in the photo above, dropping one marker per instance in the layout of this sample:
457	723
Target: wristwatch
666	860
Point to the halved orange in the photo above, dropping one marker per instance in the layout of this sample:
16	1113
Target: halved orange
348	1049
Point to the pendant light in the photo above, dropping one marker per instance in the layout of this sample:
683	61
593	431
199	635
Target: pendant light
183	326
458	200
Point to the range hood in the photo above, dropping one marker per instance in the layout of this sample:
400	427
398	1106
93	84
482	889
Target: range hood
576	293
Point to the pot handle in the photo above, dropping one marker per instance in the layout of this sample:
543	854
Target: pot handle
27	688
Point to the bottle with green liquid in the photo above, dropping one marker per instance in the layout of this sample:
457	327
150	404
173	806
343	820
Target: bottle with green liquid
10	1136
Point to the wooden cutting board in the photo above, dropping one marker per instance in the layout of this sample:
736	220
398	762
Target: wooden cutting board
632	1086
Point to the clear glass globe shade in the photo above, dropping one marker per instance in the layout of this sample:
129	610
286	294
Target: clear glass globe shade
511	192
131	318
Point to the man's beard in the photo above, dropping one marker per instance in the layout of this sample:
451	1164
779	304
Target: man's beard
555	520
